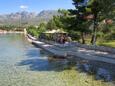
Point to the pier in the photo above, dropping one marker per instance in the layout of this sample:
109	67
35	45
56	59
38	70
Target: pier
61	50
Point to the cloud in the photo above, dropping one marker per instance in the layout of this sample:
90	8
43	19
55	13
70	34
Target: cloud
23	6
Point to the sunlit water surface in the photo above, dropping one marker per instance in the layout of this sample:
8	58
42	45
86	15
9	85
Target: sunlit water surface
21	64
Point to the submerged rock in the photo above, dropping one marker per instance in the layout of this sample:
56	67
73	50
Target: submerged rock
86	67
103	74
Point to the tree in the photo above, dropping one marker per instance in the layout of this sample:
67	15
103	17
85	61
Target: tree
81	23
101	9
37	30
51	25
41	28
95	10
32	30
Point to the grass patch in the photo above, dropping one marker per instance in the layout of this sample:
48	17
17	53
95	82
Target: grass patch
108	44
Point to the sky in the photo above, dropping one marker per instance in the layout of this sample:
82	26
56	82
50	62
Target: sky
9	6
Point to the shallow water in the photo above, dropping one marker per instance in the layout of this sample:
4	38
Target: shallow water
21	64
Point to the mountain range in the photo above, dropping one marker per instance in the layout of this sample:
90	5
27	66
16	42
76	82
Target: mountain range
29	18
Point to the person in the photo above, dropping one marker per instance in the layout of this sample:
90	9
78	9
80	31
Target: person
69	39
62	39
58	38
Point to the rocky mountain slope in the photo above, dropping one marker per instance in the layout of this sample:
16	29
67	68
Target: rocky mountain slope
25	17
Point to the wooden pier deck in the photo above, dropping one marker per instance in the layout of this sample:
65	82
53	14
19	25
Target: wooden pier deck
67	51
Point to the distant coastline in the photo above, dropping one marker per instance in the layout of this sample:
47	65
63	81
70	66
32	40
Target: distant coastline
5	32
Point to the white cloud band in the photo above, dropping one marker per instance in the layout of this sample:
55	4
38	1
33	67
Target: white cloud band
23	7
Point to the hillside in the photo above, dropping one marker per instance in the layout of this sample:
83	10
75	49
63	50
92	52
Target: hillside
28	18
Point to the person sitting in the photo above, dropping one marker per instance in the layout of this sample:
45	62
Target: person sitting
62	39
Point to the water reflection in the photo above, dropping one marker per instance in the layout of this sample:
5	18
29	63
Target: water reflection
57	64
44	64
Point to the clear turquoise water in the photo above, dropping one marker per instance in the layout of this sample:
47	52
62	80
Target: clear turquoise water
21	64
